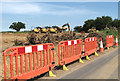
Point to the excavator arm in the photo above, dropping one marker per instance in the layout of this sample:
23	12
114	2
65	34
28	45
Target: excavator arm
66	25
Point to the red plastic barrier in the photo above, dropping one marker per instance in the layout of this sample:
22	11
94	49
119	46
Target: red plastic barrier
70	51
109	41
28	61
90	45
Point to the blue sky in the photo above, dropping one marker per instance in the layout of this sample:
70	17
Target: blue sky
55	13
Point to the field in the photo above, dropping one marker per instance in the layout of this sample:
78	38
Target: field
8	41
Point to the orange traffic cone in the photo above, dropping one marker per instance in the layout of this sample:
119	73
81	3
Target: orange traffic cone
116	41
101	49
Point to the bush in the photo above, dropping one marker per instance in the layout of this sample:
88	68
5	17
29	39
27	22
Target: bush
111	32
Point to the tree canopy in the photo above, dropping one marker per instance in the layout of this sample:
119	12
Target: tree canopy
77	28
99	23
17	26
115	23
88	24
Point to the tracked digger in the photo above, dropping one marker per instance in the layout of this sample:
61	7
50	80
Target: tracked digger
57	29
40	29
37	29
53	29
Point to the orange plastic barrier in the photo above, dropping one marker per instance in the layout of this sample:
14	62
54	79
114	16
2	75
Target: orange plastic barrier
109	41
90	45
70	51
28	61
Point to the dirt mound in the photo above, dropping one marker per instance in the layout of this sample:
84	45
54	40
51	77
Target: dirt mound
33	38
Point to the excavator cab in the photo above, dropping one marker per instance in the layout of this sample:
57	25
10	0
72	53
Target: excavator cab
45	29
37	29
64	28
56	29
93	29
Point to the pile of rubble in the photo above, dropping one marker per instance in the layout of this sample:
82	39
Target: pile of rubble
34	38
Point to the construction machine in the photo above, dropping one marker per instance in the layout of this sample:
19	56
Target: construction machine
40	29
55	29
106	28
93	29
46	29
37	29
65	28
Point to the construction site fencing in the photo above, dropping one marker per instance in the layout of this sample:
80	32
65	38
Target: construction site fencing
26	62
70	51
109	40
90	46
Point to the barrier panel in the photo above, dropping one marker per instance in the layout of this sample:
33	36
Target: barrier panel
109	41
26	62
70	51
90	46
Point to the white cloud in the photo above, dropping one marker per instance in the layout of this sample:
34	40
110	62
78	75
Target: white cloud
70	12
15	8
42	8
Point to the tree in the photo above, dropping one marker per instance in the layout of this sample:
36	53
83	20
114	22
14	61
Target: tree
101	22
78	28
17	26
115	23
88	25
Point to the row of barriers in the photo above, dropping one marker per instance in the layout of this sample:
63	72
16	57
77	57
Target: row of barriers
26	62
33	60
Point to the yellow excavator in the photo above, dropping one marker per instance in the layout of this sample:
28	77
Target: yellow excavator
45	29
65	28
37	29
40	29
106	28
93	29
55	29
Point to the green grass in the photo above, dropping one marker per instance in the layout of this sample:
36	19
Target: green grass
24	32
15	32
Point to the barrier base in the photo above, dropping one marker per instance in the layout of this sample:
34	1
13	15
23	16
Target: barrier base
96	54
80	61
65	68
51	74
87	58
108	48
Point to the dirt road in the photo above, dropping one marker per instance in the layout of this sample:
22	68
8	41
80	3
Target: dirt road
102	68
